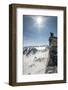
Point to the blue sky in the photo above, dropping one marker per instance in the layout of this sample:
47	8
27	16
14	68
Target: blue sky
36	34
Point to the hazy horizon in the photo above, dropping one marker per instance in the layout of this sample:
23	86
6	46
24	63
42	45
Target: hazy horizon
37	46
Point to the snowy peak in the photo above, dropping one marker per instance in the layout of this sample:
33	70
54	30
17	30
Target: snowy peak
33	50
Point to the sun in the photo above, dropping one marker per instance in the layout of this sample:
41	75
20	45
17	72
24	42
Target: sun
39	20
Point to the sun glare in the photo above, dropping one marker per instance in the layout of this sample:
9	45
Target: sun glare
39	20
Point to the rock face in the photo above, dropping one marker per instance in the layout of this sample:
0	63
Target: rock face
52	64
53	50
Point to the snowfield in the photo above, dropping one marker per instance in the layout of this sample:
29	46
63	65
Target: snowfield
35	60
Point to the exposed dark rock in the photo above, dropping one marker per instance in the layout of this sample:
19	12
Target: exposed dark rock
29	50
51	69
52	50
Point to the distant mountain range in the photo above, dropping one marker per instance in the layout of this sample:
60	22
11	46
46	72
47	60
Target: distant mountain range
33	49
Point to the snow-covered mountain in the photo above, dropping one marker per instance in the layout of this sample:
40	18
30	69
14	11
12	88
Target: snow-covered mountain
27	51
34	49
36	59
